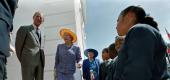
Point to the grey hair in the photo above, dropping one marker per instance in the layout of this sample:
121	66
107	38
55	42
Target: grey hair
37	13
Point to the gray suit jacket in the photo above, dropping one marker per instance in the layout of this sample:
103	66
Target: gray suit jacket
7	10
28	46
142	56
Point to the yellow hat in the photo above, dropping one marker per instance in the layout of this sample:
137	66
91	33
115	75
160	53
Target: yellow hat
65	30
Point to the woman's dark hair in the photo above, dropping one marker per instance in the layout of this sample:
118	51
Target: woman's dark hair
149	20
105	50
140	16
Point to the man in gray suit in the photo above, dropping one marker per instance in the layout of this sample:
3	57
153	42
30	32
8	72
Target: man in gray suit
7	10
29	48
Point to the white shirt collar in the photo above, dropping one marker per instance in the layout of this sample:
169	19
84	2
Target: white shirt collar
139	24
108	60
35	27
115	58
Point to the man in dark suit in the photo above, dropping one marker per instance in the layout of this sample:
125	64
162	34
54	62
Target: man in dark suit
29	48
142	55
112	63
7	10
104	65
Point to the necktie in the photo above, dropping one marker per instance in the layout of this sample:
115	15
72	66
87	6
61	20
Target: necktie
38	34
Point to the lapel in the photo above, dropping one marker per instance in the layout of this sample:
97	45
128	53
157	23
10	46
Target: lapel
34	34
42	38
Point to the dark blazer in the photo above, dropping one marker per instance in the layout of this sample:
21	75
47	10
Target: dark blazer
7	10
142	56
102	71
111	70
6	17
107	70
86	68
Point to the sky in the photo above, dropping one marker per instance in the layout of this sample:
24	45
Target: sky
101	16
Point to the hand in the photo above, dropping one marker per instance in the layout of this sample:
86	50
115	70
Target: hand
92	77
78	65
12	50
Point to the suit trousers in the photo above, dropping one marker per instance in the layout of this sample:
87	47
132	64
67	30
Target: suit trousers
3	72
33	72
4	38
